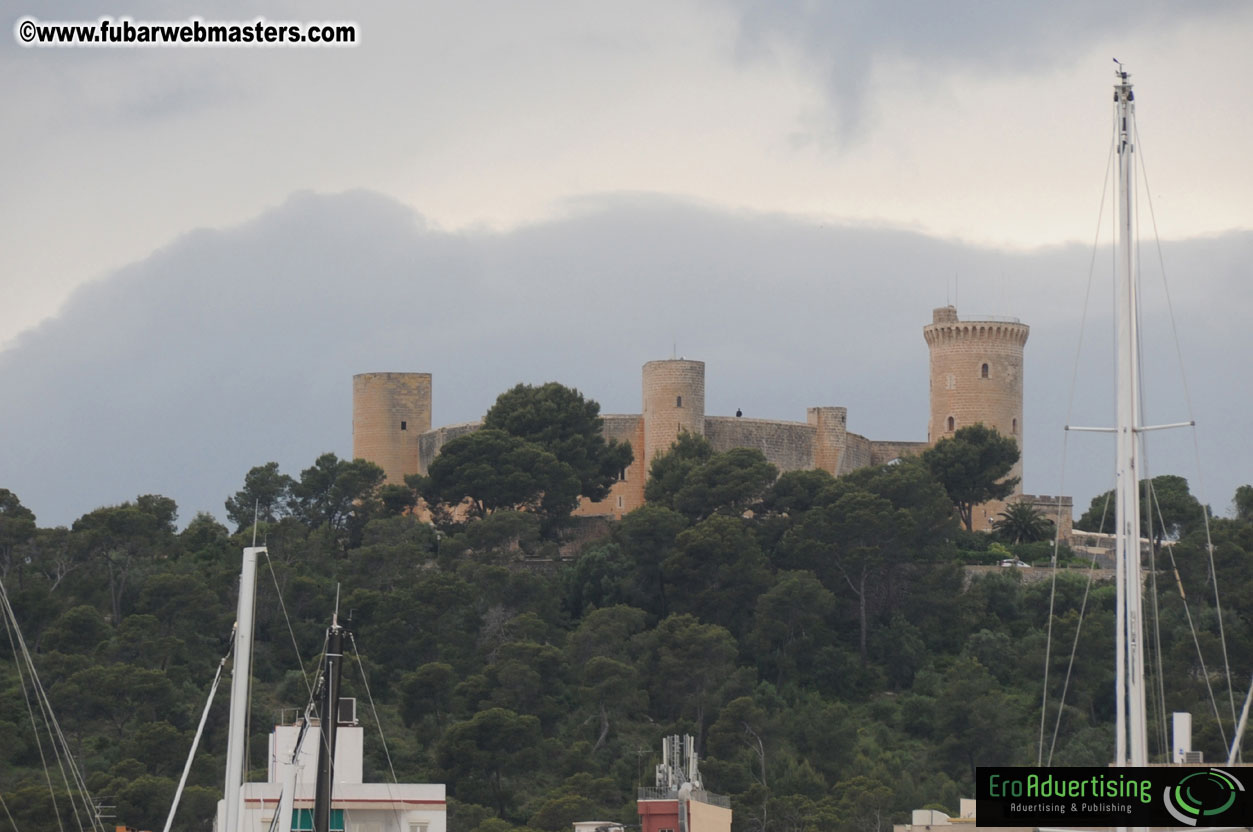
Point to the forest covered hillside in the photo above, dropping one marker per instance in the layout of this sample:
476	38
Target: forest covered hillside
819	637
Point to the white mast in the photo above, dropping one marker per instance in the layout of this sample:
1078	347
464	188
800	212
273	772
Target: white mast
241	673
1131	747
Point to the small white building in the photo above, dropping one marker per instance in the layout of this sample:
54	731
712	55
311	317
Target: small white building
355	806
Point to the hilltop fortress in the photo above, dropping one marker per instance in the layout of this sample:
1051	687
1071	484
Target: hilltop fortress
976	376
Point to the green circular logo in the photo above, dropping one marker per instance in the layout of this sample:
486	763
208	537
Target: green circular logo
1202	795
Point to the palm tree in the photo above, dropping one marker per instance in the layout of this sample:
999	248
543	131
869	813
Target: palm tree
1022	523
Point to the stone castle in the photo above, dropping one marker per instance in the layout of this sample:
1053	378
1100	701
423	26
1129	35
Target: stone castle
976	376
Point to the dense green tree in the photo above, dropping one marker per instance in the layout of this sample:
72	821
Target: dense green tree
266	496
687	666
973	465
397	499
528	678
716	572
79	629
790	624
558	814
601	576
427	691
727	483
1243	503
493	470
648	536
872	522
744	725
17	525
483	753
982	724
337	493
606	633
1022	523
668	471
609	687
118	695
796	492
117	539
206	538
691	479
559	420
1167	509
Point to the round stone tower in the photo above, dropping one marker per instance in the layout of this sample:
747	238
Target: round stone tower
674	401
976	375
389	412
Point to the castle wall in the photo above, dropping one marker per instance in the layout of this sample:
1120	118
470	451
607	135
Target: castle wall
430	442
1048	506
627	494
788	445
674	401
858	453
390	412
883	452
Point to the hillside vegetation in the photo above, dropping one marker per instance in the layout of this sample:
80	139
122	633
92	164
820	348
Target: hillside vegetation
817	636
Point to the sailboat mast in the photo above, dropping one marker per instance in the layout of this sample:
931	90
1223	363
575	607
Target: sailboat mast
328	726
241	674
1131	747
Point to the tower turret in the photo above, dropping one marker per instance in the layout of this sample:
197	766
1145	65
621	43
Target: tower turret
976	375
389	412
674	401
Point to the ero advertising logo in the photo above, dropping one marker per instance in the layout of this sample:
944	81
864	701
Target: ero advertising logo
1150	796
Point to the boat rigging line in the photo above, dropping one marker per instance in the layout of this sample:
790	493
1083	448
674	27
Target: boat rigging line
195	743
25	665
1070	407
1132	471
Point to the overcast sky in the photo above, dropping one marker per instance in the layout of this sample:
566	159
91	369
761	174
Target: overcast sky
192	237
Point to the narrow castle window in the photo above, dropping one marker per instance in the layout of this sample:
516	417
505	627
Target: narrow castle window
950	423
619	502
404	425
1014	429
678	401
984	372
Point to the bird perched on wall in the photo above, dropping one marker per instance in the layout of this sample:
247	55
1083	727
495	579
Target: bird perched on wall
738	413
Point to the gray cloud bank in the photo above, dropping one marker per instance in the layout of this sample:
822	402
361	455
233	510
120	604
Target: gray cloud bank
843	41
230	348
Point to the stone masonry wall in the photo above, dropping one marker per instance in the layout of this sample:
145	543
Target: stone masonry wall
1048	506
881	452
788	445
627	494
430	442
